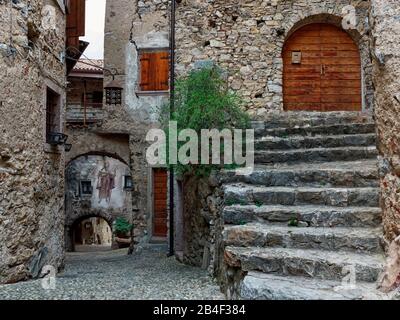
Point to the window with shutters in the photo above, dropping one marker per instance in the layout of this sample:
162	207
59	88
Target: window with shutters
154	71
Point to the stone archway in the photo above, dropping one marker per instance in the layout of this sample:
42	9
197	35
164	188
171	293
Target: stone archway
70	229
97	185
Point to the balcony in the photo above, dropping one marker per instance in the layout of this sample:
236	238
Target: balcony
87	113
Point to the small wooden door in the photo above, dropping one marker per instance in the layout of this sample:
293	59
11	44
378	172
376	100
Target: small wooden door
321	70
160	180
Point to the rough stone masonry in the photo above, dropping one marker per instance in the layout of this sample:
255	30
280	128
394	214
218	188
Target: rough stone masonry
244	37
385	47
31	172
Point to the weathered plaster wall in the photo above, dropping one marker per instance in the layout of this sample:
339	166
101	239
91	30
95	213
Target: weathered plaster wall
145	26
132	25
108	200
246	38
31	173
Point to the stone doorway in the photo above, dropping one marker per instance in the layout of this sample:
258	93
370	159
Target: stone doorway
91	234
321	70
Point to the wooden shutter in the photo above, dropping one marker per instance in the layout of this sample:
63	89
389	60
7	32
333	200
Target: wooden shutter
75	22
154	71
145	78
161	72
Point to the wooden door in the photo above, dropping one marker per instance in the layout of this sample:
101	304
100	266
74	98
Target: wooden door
327	77
160	180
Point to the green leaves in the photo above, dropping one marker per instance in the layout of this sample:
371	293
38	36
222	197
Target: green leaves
122	226
204	101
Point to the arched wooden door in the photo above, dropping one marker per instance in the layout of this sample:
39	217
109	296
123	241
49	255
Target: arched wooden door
321	70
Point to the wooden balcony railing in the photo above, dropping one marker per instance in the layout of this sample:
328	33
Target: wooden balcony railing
84	114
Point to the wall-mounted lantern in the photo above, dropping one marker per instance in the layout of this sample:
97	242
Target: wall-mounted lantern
56	138
128	183
113	93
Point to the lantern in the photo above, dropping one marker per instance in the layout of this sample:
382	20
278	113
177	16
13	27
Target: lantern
113	93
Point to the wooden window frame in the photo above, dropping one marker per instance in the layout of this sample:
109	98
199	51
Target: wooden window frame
153	86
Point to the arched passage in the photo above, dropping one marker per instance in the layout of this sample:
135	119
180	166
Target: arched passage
91	233
97	187
321	70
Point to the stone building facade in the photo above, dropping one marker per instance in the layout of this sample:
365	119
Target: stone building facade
96	186
98	159
145	28
247	38
33	71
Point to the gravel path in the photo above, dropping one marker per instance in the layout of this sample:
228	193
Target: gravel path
115	275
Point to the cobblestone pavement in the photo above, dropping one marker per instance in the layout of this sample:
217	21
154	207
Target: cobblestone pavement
148	274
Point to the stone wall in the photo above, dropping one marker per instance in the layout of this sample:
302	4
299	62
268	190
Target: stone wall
385	46
31	172
202	222
386	50
92	140
246	38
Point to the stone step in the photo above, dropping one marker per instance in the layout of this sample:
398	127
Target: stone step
341	197
316	155
266	235
262	286
333	174
305	262
320	141
314	216
293	118
335	129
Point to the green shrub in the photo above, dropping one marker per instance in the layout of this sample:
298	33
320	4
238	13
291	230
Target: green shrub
122	227
203	101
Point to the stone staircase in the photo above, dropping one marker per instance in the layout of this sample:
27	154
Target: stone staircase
309	213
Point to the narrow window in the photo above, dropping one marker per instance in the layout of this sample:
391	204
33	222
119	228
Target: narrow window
52	114
154	71
86	187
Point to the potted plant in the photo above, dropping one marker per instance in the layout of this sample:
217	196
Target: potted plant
122	229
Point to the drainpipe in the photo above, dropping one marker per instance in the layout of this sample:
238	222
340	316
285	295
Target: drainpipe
172	105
